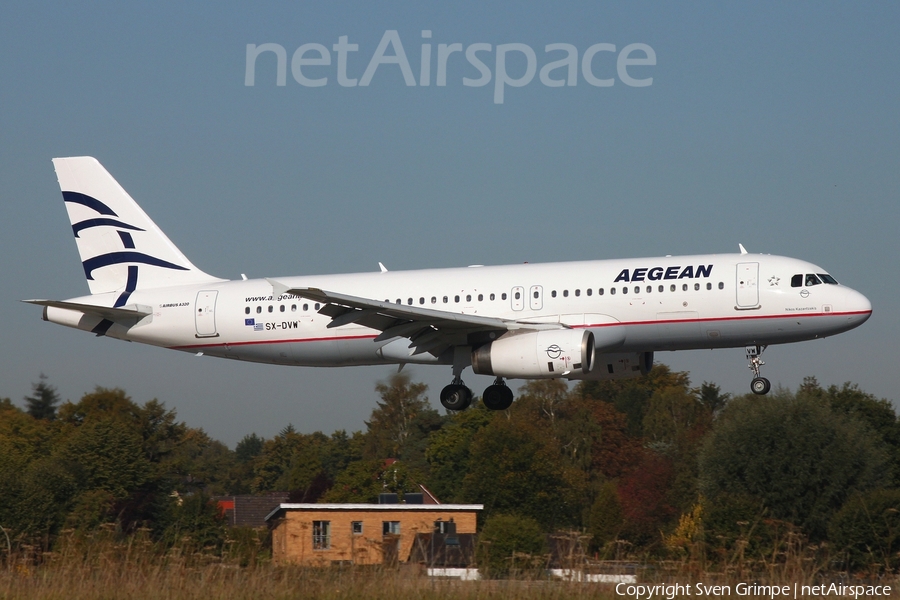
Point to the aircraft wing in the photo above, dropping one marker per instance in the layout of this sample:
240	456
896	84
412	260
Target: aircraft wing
105	312
428	330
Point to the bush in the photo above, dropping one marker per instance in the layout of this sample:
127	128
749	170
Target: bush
867	530
511	545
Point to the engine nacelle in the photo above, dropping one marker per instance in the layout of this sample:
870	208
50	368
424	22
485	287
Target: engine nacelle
618	366
537	354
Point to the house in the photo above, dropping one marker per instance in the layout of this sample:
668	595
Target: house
362	534
249	510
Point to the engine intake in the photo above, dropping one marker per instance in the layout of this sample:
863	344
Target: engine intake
537	354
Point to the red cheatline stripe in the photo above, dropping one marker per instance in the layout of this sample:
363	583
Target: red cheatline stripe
597	325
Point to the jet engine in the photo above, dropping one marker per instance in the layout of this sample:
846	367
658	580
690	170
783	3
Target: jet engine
537	354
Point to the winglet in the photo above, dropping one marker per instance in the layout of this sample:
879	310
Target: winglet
382	267
743	250
278	288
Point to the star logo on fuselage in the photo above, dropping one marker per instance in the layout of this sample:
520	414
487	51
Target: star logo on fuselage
774	280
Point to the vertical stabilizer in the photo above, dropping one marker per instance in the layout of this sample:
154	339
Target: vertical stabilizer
121	249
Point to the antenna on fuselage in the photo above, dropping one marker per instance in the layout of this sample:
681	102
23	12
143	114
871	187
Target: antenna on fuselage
743	250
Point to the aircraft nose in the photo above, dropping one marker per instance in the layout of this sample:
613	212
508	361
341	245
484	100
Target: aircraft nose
859	304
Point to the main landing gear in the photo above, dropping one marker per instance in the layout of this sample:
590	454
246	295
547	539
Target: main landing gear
456	396
760	385
497	396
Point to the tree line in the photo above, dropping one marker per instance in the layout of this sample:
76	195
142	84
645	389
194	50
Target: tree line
649	467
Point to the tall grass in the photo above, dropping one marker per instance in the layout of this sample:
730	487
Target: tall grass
103	565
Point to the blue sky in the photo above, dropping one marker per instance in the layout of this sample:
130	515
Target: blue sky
774	125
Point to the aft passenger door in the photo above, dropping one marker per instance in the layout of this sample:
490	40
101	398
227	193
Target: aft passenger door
747	281
205	314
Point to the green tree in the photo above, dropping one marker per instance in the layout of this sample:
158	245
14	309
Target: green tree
511	545
867	531
516	468
796	455
448	452
43	400
401	422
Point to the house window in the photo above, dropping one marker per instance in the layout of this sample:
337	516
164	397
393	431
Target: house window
321	532
356	527
390	528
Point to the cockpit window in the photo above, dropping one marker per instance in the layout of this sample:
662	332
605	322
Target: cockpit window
797	280
828	278
812	280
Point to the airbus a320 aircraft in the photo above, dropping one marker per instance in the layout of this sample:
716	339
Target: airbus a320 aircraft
599	319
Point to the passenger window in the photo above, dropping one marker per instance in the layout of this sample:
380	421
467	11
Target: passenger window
434	299
649	289
612	291
662	288
446	300
590	291
565	293
536	294
247	310
503	296
293	308
708	286
399	301
281	308
491	297
684	288
577	293
456	298
468	297
258	309
305	307
721	285
318	306
696	287
600	292
409	301
518	295
421	300
672	288
553	294
480	297
637	289
797	281
271	308
624	290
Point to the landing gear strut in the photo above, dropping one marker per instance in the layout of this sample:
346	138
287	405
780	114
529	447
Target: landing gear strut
760	385
497	396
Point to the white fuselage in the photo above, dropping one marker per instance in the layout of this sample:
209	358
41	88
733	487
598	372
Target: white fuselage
666	303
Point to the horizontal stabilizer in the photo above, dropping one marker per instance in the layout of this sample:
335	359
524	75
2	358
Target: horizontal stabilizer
104	312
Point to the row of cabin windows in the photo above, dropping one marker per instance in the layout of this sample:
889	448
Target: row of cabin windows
518	295
282	308
565	293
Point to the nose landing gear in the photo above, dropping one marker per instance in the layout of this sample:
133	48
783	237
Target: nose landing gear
760	385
